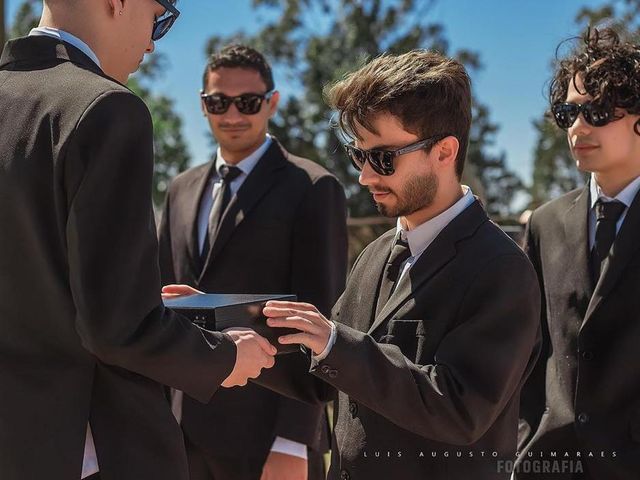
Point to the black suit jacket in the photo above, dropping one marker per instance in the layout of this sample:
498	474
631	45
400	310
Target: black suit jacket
439	370
83	333
584	394
284	232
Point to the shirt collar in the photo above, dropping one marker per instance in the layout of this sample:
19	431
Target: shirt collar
246	164
424	234
626	196
66	37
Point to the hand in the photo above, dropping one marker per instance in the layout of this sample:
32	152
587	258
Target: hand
315	328
280	466
253	354
171	291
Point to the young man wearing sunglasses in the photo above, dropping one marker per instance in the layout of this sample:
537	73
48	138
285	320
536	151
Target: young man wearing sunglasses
584	395
431	341
254	219
86	343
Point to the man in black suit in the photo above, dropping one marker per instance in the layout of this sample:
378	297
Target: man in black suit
85	342
438	326
282	230
584	395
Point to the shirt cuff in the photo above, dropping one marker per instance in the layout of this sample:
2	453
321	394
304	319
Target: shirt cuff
316	359
289	447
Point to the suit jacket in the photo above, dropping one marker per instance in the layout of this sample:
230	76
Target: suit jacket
84	336
584	394
284	232
439	370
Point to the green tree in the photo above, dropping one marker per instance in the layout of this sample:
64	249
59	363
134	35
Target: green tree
170	149
317	41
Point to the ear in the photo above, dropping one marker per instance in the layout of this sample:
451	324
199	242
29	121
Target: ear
273	103
114	7
448	149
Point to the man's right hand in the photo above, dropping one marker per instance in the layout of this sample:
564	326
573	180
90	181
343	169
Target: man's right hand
254	353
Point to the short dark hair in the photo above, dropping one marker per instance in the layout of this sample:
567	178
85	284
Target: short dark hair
429	93
609	70
239	56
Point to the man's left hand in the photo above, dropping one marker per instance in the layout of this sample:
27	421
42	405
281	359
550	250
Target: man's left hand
314	327
280	466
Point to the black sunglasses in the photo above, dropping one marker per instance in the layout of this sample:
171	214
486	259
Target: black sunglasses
565	114
163	24
247	103
382	160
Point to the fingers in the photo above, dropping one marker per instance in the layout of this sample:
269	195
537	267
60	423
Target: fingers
265	345
299	323
297	338
177	290
305	307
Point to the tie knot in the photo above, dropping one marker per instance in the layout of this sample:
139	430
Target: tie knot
609	211
229	172
399	252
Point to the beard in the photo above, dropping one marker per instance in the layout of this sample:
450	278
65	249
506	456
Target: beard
418	193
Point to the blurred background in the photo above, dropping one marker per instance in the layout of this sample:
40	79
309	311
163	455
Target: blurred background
517	159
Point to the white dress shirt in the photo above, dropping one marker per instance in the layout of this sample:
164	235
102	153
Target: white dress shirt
90	459
418	239
246	165
626	196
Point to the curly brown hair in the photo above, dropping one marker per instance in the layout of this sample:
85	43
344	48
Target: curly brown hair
609	69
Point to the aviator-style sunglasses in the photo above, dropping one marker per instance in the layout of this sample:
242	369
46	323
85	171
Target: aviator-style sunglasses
565	114
382	160
247	103
162	24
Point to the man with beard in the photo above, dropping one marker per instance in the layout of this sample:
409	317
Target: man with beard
430	343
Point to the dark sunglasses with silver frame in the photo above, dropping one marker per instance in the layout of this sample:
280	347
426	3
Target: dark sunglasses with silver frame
247	103
382	160
566	113
163	24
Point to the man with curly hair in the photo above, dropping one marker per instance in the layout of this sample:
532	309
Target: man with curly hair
582	403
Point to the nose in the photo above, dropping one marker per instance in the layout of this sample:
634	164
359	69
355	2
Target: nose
367	175
151	47
233	114
580	127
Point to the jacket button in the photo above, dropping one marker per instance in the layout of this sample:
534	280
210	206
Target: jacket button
353	408
325	369
587	355
583	418
333	373
344	475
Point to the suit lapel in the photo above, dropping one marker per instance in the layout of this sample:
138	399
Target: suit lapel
256	185
624	247
576	247
441	251
190	212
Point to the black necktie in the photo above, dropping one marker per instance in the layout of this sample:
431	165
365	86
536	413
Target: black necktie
607	216
220	202
399	254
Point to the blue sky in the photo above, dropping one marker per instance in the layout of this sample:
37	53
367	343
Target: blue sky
516	40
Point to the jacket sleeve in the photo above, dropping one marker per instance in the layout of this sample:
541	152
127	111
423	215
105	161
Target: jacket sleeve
113	255
478	368
532	398
319	263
